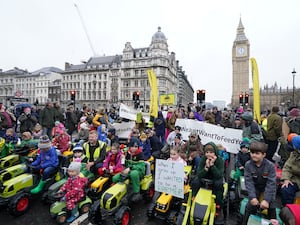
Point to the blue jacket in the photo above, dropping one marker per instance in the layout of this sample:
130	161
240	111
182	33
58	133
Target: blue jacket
146	149
46	159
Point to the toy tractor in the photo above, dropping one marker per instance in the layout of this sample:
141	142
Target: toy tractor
115	203
59	212
48	196
167	207
15	192
202	210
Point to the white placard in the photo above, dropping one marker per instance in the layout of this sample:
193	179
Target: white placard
228	137
169	177
123	129
130	113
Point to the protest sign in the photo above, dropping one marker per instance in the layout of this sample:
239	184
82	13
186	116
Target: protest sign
227	137
169	177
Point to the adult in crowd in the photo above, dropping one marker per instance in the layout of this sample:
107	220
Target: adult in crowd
95	152
47	119
192	150
100	118
293	120
59	113
160	127
27	120
217	114
155	143
274	129
251	129
71	120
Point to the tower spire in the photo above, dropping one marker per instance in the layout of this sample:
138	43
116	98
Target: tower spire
240	34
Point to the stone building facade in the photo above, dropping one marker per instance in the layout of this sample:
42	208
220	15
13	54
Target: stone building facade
109	80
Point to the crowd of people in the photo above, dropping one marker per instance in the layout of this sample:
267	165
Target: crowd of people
52	128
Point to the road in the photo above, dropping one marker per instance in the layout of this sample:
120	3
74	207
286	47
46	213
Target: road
38	214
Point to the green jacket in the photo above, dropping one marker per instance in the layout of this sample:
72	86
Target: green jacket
291	168
136	162
216	172
274	125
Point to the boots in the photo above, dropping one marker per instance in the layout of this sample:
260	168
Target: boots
74	215
38	188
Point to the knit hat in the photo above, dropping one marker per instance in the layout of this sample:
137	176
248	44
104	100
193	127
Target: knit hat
296	142
75	166
134	142
210	146
77	148
45	142
248	116
245	143
295	112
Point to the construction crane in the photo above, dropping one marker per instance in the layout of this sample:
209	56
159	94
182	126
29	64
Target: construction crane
85	30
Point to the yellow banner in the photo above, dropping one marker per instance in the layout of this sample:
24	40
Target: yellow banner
256	92
168	99
154	94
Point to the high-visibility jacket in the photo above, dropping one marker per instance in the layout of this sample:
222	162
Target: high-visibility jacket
98	155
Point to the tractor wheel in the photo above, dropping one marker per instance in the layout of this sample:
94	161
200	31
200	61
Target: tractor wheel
19	204
61	218
149	193
172	218
85	208
95	213
151	210
125	218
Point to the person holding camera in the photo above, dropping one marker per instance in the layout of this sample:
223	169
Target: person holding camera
27	120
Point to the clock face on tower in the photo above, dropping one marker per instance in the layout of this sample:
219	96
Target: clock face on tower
241	50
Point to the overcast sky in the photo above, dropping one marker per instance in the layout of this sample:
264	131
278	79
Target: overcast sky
41	33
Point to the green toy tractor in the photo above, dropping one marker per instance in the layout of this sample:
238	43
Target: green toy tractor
115	203
59	212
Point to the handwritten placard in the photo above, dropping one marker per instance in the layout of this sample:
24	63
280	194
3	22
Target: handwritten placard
169	177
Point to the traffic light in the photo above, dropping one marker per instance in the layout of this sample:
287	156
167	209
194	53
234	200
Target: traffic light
198	95
241	96
136	99
137	95
73	94
202	96
246	99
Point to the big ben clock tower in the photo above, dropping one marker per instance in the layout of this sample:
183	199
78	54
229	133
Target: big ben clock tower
240	66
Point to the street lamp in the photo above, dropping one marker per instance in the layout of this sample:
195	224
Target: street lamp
294	73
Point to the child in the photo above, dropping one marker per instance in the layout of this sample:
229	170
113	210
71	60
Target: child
135	167
26	140
83	133
260	179
61	139
10	136
47	160
74	189
211	166
175	155
56	128
290	174
102	136
243	156
145	144
113	161
78	155
37	131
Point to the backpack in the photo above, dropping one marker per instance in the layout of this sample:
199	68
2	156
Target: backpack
257	130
